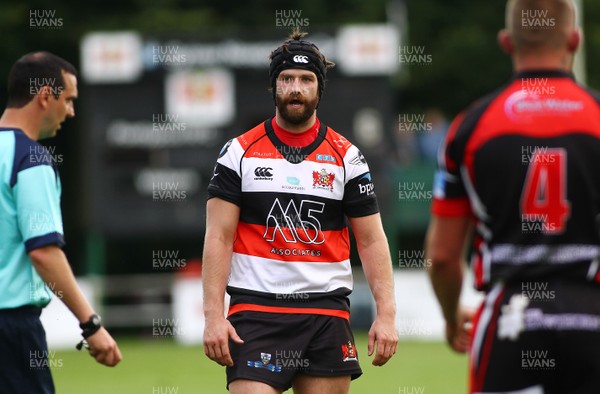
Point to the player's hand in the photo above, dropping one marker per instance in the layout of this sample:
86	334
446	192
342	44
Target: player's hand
216	340
459	334
383	340
104	348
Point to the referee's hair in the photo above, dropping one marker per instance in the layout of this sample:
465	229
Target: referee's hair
539	24
33	71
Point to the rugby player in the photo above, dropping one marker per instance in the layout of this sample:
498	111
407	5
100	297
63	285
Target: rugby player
277	241
520	167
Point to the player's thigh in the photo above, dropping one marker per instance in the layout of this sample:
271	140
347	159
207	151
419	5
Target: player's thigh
244	386
308	384
505	356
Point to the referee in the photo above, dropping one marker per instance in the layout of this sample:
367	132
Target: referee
42	89
521	168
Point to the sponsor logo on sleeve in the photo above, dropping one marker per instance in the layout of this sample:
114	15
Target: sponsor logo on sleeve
225	148
365	185
358	160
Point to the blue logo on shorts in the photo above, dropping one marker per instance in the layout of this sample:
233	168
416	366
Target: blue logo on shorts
265	363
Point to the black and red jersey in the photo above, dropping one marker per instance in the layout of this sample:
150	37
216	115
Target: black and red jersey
525	162
291	252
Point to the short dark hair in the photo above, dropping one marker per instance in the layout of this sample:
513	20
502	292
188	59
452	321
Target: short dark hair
33	71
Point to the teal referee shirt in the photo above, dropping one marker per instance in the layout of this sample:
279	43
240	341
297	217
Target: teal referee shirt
30	217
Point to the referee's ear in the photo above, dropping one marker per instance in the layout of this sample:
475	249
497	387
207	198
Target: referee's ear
505	42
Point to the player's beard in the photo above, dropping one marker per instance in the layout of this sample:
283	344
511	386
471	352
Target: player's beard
293	116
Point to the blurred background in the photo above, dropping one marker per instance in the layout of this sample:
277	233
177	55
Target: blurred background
164	84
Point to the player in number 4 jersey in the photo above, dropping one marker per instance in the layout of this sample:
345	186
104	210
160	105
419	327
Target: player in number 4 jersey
277	241
522	165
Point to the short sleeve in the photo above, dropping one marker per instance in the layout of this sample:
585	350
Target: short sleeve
359	190
37	196
226	181
449	194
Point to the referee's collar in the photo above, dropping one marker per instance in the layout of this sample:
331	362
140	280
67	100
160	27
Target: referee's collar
544	73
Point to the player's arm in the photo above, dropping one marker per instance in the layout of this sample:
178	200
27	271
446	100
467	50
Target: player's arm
377	264
51	264
444	246
221	223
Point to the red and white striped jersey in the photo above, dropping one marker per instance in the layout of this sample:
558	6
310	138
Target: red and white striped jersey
291	252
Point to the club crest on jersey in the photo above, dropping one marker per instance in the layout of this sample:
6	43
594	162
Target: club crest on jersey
349	352
265	362
323	180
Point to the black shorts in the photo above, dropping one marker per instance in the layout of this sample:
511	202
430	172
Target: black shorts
279	346
538	337
24	364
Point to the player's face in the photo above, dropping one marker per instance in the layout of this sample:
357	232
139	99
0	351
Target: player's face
62	108
296	97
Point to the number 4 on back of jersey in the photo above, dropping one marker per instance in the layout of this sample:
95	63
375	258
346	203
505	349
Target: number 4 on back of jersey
544	196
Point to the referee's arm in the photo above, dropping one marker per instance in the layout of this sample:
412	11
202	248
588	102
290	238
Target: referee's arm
51	264
374	254
445	243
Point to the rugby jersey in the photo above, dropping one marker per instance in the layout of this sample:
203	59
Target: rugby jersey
291	252
525	162
30	217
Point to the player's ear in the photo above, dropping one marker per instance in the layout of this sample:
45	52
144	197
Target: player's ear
573	40
43	96
505	42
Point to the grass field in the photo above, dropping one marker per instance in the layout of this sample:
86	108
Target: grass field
160	366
